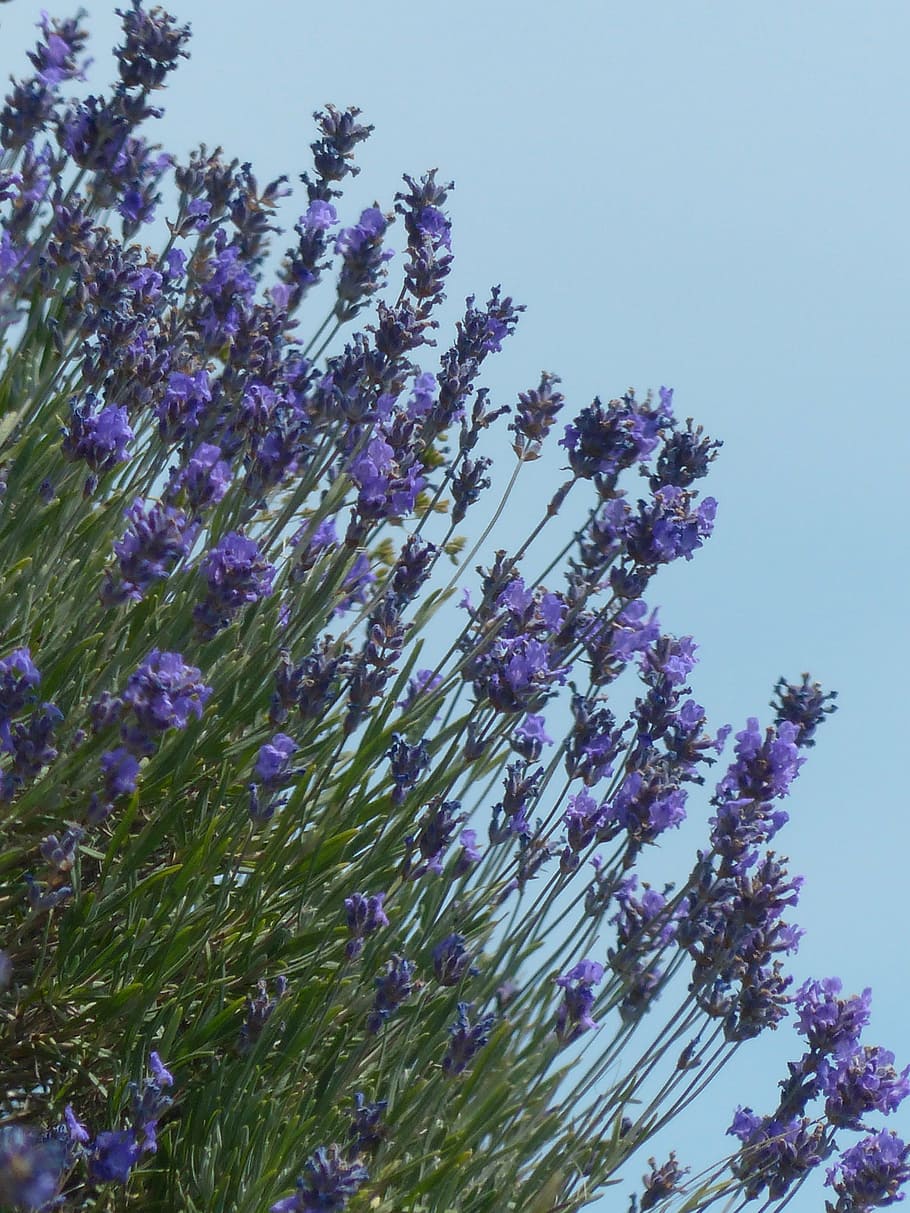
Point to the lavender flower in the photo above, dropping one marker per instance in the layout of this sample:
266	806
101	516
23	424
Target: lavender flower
423	682
157	538
273	759
367	1132
101	439
451	960
114	1154
364	915
363	261
684	458
829	1023
535	416
869	1175
162	694
183	407
235	574
470	854
204	480
466	1039
61	852
392	989
861	1081
774	1153
31	744
152	46
407	762
328	1183
119	768
259	1011
18	678
31	1170
435	830
602	441
574	1016
530	737
804	705
661	1182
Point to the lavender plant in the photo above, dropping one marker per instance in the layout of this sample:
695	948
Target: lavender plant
324	885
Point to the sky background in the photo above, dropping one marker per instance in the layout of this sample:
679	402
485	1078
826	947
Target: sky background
711	196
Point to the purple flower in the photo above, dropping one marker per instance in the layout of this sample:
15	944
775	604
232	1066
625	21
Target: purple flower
236	574
389	480
31	1170
451	960
101	439
594	742
204	480
602	441
574	1016
274	756
684	458
392	989
429	233
120	769
423	394
467	1039
75	1128
367	1132
31	102
43	898
666	528
661	1182
434	834
61	852
870	1174
320	215
763	770
766	764
363	262
114	1154
646	805
516	674
226	291
163	693
259	1011
407	763
364	915
157	538
829	1023
152	46
536	415
184	404
804	705
18	678
862	1081
422	683
352	239
530	737
160	1073
149	1103
328	1183
774	1152
585	819
31	744
470	854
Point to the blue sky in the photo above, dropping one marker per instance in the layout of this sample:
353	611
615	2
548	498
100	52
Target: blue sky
711	196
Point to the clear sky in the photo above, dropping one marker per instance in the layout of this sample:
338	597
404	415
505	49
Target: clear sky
708	195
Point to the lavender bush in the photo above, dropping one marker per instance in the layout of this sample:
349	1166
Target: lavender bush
324	859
